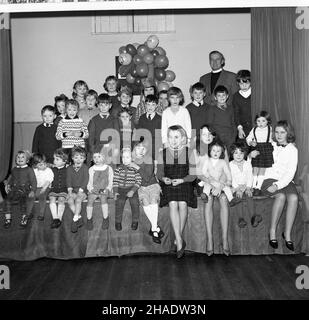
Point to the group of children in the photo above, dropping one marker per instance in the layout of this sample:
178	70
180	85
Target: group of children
99	146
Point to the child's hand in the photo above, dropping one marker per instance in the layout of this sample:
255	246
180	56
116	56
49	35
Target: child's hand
273	188
253	143
76	134
241	133
7	188
31	194
176	182
239	193
216	192
254	153
248	192
130	194
166	180
134	165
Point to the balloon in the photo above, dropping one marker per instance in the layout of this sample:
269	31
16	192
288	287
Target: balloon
131	49
155	53
148	58
124	70
142	70
161	61
170	76
122	50
138	81
125	58
152	41
136	45
134	72
142	50
130	78
159	74
137	59
161	51
163	86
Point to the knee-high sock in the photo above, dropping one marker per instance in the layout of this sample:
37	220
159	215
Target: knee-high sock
89	212
260	180
61	207
255	179
148	212
104	207
154	216
53	210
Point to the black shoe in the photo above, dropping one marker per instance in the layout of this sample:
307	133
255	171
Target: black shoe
273	243
256	192
289	244
155	237
161	233
74	226
118	226
181	252
7	223
23	221
134	225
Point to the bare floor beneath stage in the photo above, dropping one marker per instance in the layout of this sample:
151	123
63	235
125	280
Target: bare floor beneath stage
147	277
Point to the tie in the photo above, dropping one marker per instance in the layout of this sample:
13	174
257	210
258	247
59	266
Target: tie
281	145
47	125
149	117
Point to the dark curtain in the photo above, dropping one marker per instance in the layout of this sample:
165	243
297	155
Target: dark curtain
280	71
5	96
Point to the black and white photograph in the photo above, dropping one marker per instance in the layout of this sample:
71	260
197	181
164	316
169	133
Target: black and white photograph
154	155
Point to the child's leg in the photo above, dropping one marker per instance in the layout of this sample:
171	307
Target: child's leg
260	177
53	207
61	207
228	193
42	202
134	203
183	213
224	217
119	206
153	216
175	220
8	216
208	212
104	206
80	197
89	209
71	203
255	171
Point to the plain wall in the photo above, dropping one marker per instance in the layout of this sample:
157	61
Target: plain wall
51	51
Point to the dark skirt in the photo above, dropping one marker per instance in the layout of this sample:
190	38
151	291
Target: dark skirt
289	189
182	192
265	158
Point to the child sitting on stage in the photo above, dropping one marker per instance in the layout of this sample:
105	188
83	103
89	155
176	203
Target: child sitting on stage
149	192
58	188
127	181
20	188
77	180
100	186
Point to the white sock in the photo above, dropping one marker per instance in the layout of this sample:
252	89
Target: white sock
154	209
254	183
89	212
259	182
75	217
147	210
61	207
53	210
104	207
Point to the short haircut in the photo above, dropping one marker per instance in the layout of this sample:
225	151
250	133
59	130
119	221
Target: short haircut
37	158
79	83
104	98
92	93
149	86
162	92
126	90
197	86
61	97
217	143
48	108
291	137
125	110
180	129
264	114
77	150
243	75
221	89
27	154
222	56
240	146
151	98
175	91
72	102
62	154
111	78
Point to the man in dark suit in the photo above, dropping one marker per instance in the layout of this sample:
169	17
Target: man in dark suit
218	76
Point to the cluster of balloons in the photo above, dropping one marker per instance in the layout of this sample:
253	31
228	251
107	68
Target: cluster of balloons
145	61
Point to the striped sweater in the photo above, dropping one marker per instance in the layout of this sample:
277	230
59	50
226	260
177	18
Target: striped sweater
66	127
126	177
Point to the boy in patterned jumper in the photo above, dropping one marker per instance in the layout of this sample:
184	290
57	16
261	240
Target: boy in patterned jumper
127	180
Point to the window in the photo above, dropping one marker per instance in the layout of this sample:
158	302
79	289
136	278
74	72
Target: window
136	22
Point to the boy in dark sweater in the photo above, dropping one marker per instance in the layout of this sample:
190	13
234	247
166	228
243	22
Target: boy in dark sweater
197	109
221	117
44	139
126	182
77	180
99	123
151	121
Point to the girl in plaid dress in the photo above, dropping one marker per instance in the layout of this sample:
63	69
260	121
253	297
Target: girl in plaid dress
176	171
262	156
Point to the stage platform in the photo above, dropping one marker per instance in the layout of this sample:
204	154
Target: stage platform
38	240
